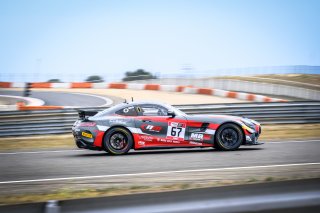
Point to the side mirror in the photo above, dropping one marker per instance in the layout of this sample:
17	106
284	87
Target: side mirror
171	113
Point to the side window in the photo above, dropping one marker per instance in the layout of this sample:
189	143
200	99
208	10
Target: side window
127	111
152	110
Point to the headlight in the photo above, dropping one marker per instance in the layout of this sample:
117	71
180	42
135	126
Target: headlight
248	125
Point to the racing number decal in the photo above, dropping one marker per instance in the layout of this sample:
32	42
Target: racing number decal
176	131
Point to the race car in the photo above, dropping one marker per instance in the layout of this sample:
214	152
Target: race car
150	125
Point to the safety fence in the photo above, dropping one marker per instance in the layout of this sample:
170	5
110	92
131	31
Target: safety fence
22	123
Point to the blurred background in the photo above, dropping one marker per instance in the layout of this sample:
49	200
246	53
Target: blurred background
253	58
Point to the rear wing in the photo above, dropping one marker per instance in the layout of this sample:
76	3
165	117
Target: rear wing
83	114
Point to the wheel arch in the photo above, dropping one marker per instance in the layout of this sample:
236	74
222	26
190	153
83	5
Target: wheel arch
118	126
232	122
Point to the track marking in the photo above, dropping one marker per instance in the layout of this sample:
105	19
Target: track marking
157	173
30	101
41	152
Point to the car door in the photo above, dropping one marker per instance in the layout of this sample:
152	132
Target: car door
159	129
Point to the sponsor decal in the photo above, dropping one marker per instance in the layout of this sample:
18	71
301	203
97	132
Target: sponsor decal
196	136
87	135
210	131
118	121
176	131
176	124
163	140
87	124
195	143
146	138
151	128
127	109
141	143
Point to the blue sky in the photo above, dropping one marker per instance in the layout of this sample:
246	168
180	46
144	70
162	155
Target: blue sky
72	39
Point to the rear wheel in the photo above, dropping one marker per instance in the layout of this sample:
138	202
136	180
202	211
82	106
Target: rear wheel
118	141
228	137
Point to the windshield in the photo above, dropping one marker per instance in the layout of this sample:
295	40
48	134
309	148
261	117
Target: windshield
177	111
113	109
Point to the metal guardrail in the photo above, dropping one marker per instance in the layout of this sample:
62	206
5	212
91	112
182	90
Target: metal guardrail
22	123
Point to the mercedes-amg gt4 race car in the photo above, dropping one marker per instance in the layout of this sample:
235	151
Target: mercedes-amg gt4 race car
149	125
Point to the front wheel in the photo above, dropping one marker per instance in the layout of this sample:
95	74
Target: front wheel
118	141
228	137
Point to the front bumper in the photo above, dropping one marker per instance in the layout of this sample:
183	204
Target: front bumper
252	139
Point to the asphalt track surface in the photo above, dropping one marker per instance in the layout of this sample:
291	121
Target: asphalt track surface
51	165
63	99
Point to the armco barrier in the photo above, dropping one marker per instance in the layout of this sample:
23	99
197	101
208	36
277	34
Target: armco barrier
37	122
156	87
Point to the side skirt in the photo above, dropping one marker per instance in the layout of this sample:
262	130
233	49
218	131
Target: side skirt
172	147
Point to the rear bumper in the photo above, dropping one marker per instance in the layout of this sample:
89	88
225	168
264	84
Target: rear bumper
84	143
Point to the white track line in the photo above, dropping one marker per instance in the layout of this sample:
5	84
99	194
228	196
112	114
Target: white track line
157	173
30	101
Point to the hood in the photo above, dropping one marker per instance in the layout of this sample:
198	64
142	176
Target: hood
214	118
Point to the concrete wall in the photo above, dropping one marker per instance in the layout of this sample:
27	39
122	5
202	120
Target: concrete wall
242	86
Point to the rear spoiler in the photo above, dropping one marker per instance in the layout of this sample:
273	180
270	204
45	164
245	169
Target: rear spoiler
83	114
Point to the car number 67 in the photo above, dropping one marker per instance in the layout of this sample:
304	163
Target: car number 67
176	130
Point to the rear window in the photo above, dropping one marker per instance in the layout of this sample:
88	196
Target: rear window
111	110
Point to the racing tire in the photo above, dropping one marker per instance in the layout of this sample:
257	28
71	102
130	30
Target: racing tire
229	137
118	141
